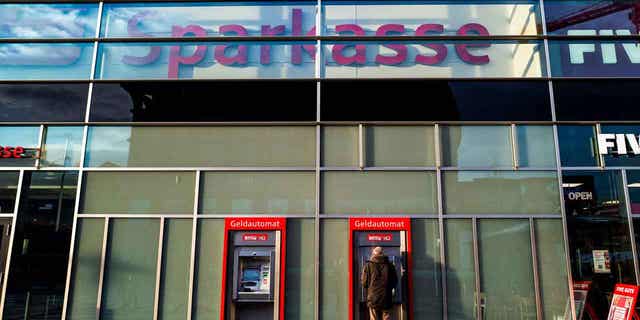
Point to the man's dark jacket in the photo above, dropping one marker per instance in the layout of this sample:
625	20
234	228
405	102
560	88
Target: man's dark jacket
379	279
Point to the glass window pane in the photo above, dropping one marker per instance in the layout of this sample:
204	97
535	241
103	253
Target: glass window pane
138	192
334	268
130	270
300	277
595	58
13	137
536	147
617	15
501	17
39	102
509	293
633	180
45	61
157	101
584	100
501	192
258	192
200	146
377	192
578	146
552	268
400	146
206	60
612	158
158	20
340	146
8	189
176	266
24	20
62	147
476	146
427	272
208	279
598	232
461	276
434	59
86	269
455	100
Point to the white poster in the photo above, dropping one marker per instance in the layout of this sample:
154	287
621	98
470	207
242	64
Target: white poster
601	261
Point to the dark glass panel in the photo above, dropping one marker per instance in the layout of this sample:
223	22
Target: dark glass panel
43	102
435	101
39	262
565	16
598	230
597	100
204	101
594	58
577	146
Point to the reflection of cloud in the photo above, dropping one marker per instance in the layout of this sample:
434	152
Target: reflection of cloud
39	54
47	21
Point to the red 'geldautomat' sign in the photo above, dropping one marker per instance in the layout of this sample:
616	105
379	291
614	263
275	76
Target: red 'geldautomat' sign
339	54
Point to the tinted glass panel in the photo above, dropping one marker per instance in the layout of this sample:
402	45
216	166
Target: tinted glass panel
400	146
476	146
500	17
40	258
578	146
176	260
427	270
206	19
86	269
258	192
48	20
45	61
8	188
376	192
210	60
552	268
595	58
208	278
202	101
508	293
138	192
340	146
130	270
200	146
300	275
334	269
633	180
597	100
497	59
461	276
435	101
598	230
43	102
501	192
567	17
536	147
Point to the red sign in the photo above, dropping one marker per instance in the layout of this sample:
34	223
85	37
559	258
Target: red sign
386	224
12	152
623	302
255	237
380	237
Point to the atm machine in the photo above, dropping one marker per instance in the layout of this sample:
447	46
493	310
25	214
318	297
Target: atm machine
254	275
395	244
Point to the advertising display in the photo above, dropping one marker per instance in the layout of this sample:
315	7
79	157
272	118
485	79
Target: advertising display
601	261
580	292
623	302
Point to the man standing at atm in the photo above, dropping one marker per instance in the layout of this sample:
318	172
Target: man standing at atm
379	279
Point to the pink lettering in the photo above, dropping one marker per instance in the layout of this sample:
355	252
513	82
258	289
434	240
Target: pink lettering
241	55
265	49
401	49
440	49
463	49
175	59
132	30
360	57
296	28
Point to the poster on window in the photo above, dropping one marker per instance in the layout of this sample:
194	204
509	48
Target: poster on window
580	291
601	261
623	302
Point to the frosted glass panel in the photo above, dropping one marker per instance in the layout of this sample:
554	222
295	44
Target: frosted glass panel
334	268
208	269
340	146
476	146
552	268
300	277
347	192
427	275
400	146
258	192
536	146
86	269
175	269
461	283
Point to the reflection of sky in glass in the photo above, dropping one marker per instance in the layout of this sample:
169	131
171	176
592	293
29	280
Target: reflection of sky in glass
108	146
37	61
62	146
20	136
48	20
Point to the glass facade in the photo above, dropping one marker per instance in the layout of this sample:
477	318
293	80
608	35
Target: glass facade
133	133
